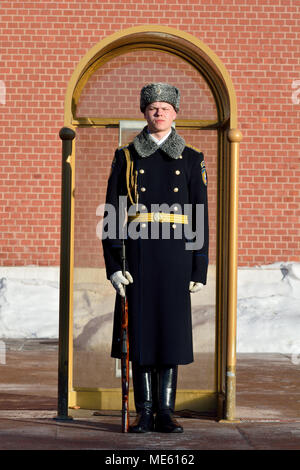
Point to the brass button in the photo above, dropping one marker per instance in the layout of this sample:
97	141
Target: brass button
177	172
142	171
143	189
175	190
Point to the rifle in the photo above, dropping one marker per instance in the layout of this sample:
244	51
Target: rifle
124	352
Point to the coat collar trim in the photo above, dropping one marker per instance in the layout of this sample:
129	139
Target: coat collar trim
145	146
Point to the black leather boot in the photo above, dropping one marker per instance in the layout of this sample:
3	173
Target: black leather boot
154	387
142	386
167	383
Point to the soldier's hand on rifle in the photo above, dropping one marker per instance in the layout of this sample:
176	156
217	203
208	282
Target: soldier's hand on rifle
118	280
195	286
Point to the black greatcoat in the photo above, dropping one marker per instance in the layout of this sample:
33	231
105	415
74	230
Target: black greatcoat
159	305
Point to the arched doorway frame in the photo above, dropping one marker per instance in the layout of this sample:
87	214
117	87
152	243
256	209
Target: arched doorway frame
200	56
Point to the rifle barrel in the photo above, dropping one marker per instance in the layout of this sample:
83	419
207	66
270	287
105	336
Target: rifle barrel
125	353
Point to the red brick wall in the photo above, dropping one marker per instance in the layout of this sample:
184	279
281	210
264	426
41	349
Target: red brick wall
113	90
42	42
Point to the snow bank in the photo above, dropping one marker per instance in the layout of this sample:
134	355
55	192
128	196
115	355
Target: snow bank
268	306
29	302
269	309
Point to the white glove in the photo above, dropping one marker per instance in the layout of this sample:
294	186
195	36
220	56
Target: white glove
195	286
117	279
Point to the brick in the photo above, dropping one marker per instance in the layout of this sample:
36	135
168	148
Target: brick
258	42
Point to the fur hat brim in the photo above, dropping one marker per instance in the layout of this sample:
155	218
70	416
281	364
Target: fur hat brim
159	92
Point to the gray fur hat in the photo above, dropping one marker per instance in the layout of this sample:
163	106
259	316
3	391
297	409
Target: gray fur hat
159	92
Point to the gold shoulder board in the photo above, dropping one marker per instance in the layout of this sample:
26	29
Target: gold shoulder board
194	148
122	147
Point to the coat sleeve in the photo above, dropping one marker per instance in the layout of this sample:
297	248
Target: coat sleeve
111	233
198	195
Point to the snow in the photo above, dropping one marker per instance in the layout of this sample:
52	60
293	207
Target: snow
28	303
269	309
268	306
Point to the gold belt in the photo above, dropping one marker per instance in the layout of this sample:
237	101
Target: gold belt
159	217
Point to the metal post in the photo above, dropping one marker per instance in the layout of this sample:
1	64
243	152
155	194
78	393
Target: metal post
235	136
67	135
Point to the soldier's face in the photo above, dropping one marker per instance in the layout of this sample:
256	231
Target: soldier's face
160	116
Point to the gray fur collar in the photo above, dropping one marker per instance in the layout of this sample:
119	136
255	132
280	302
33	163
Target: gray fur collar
145	146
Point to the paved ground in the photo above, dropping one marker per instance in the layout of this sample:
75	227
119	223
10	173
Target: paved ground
268	408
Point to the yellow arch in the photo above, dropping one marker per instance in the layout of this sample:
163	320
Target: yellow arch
215	73
177	42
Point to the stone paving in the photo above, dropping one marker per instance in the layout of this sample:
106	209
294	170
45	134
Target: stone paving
268	410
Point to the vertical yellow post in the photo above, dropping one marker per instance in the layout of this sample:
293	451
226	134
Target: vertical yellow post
234	136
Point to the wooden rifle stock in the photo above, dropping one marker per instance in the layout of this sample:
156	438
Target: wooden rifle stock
125	354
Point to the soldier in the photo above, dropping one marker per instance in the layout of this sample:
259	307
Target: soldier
160	175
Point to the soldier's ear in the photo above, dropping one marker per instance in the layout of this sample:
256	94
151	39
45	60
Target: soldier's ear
176	112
